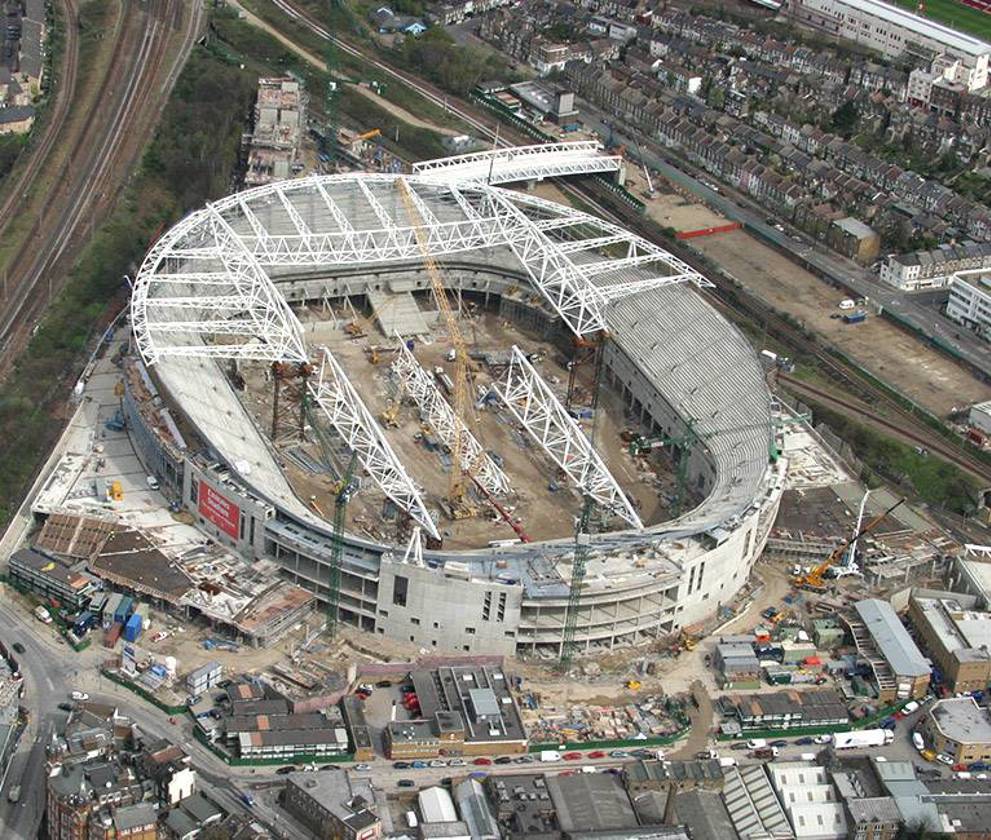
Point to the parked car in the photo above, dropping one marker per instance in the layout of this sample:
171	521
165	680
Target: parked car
572	756
66	707
438	763
482	761
79	695
362	768
400	765
597	754
406	783
523	759
383	684
822	739
619	754
504	759
804	742
943	758
457	762
779	743
419	765
18	647
285	771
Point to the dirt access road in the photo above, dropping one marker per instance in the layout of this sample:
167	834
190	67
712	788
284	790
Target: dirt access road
924	375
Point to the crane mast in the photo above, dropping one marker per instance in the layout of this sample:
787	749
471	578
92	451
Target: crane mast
461	401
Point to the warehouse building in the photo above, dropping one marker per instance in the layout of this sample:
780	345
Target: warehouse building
955	635
961	729
900	670
895	32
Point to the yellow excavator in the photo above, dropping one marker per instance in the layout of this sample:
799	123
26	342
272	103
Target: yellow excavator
814	581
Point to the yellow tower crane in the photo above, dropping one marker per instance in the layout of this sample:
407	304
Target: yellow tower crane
461	397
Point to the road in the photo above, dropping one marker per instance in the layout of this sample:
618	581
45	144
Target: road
921	312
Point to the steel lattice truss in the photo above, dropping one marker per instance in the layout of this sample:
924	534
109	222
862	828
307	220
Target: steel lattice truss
345	411
541	413
520	163
204	290
420	385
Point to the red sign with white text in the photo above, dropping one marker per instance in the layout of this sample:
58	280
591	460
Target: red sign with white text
221	512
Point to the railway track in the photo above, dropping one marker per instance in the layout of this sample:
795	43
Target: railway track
64	93
130	96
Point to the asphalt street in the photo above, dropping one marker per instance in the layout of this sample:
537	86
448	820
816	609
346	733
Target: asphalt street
919	311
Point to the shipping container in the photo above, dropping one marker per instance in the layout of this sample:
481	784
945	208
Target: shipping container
855	318
123	609
133	628
112	635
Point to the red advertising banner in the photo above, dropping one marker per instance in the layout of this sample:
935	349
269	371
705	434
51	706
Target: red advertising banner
221	512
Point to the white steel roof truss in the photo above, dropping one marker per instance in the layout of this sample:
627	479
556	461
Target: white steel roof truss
345	411
534	405
420	385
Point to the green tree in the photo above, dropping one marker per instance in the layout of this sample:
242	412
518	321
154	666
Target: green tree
844	118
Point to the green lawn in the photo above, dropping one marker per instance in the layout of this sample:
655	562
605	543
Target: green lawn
955	14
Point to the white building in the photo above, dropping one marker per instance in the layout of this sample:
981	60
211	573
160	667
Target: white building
436	805
922	270
809	799
970	301
892	31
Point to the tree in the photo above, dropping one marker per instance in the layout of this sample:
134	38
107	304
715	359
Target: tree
845	118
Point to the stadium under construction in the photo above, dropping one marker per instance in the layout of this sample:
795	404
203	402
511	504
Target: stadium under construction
428	460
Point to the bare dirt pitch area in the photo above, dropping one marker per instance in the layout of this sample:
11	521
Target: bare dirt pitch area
922	374
671	209
542	499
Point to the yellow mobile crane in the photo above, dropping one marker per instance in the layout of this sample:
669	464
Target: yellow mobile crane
813	581
461	508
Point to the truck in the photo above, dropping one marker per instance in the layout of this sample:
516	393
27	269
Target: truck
862	739
550	755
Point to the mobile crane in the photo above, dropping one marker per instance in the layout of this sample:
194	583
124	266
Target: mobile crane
814	580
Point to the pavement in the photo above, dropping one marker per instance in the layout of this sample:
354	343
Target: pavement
921	312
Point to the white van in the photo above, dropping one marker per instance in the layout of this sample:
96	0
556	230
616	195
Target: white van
756	743
411	820
917	741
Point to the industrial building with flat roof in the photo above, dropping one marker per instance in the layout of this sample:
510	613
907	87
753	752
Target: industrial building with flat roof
900	670
960	728
955	635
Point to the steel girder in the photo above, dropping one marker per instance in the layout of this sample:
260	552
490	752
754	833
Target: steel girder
559	248
420	385
250	309
345	411
519	163
546	420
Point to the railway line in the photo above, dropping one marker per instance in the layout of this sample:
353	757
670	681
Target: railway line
129	98
895	417
64	93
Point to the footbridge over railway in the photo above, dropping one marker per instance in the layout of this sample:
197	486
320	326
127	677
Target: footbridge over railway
520	163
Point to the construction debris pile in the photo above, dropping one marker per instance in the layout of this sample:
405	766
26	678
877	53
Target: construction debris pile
652	717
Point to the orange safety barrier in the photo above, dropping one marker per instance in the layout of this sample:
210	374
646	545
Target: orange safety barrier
691	234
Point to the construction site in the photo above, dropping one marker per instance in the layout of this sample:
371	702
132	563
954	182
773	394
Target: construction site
541	503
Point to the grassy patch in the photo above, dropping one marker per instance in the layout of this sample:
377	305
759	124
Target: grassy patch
264	54
933	481
188	162
954	14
